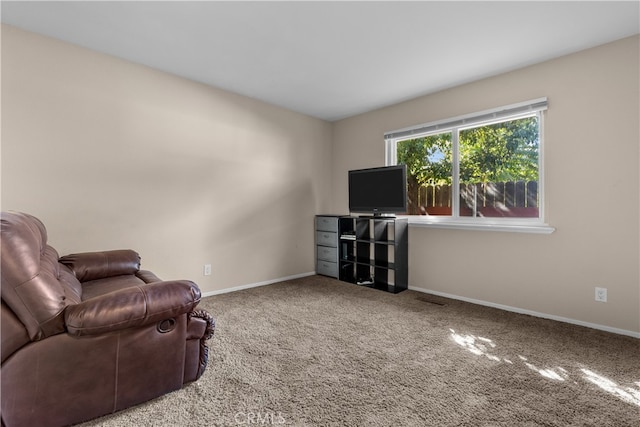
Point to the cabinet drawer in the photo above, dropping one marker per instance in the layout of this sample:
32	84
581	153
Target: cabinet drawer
327	238
327	253
327	223
328	268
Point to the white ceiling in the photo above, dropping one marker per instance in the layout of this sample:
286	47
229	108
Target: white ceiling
331	60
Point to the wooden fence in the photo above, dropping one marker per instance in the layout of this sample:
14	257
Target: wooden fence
486	199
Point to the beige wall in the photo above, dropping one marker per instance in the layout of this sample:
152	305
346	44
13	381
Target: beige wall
592	158
110	154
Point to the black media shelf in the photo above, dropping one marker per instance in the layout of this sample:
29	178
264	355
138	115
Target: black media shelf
370	251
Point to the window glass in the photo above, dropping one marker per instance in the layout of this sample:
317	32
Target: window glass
499	169
495	166
429	179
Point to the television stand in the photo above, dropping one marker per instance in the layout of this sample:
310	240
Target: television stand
369	251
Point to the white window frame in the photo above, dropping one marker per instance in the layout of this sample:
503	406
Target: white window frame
456	124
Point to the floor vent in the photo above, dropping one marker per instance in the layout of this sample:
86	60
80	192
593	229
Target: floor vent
431	300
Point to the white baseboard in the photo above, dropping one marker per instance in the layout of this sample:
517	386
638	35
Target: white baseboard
258	284
531	313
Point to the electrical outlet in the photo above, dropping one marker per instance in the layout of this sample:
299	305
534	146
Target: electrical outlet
207	269
601	294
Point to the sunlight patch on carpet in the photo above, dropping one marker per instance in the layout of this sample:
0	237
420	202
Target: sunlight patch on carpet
626	394
481	346
558	374
477	345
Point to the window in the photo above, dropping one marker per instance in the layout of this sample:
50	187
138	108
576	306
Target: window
480	169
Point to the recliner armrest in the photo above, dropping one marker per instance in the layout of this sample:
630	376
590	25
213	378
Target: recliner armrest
132	307
147	276
98	265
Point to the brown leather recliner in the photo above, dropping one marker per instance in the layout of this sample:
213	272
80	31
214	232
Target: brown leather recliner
89	334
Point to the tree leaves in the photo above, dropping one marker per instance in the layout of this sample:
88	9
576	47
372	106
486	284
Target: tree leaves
505	151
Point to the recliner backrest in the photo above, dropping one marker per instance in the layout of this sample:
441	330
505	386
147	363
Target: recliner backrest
34	285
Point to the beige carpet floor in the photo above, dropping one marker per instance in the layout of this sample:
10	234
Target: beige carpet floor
319	352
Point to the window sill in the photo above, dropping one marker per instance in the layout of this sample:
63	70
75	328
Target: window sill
479	225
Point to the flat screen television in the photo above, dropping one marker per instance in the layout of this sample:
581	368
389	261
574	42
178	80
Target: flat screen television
378	191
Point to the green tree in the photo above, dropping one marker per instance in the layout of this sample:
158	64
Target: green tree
499	152
428	161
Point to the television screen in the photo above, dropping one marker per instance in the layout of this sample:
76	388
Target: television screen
378	190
